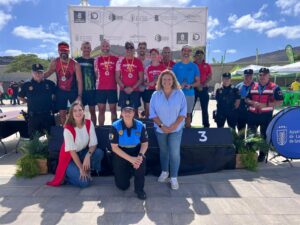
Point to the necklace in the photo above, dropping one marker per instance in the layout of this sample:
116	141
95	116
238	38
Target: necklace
106	65
129	68
64	78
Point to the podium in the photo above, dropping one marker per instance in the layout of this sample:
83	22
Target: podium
203	150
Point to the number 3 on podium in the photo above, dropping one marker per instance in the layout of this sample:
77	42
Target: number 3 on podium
203	137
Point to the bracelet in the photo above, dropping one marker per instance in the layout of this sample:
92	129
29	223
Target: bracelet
161	125
141	154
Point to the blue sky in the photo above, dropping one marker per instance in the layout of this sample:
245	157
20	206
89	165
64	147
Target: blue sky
235	26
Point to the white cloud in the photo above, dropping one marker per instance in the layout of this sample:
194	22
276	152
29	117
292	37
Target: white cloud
289	7
289	32
251	22
16	52
169	3
4	18
212	24
9	3
54	33
216	51
231	51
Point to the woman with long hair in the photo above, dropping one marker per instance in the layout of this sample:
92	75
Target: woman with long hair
79	153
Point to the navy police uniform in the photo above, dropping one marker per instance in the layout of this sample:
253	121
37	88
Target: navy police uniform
129	140
226	97
244	90
39	96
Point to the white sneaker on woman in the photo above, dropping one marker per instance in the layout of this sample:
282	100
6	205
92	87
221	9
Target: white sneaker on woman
174	183
163	177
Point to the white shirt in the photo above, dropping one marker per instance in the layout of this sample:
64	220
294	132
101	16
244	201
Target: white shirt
82	139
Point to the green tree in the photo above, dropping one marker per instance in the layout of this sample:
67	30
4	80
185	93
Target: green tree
24	62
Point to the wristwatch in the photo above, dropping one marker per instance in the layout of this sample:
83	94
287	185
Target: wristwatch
161	125
141	154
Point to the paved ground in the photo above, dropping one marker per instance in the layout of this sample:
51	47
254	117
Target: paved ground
268	196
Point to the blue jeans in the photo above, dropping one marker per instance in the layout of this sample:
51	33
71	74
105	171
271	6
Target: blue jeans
169	145
73	173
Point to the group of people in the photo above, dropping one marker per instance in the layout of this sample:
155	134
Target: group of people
169	91
248	102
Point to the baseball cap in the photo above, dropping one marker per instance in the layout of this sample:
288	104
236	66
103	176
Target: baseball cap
63	47
248	72
226	75
129	45
264	70
128	105
199	52
37	67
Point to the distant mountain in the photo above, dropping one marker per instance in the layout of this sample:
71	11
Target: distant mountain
276	56
4	60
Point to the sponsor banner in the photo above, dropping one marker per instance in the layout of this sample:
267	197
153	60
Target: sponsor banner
284	132
159	27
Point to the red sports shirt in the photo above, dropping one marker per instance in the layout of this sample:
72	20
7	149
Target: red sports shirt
205	69
130	69
152	73
168	65
106	69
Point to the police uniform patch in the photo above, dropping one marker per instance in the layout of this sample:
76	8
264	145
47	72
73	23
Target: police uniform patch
47	86
121	132
111	136
146	134
127	102
138	133
30	88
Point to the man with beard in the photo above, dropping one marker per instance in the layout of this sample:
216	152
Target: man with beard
129	76
88	79
142	53
106	85
188	76
167	58
69	80
201	92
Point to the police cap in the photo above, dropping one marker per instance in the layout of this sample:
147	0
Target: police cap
248	72
199	52
128	105
226	75
37	67
264	70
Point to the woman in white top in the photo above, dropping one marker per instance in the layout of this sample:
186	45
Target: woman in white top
81	141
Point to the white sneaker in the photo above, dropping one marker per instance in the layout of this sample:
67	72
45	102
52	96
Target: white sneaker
174	183
163	177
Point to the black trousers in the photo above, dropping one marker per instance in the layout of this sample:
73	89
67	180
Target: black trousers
226	115
242	119
40	122
261	120
124	170
204	99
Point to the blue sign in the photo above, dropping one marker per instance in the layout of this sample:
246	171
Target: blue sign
284	132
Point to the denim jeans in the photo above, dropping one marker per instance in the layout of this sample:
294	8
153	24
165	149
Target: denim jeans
73	173
169	145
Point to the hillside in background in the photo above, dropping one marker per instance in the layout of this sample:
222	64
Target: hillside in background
276	56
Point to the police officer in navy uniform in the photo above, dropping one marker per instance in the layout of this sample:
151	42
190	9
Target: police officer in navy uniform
244	88
129	142
228	100
39	94
262	99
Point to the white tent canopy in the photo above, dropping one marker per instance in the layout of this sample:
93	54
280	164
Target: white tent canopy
255	69
290	68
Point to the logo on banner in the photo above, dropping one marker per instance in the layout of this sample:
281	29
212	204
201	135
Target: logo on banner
112	17
156	17
136	18
182	38
281	137
94	16
196	36
160	38
79	16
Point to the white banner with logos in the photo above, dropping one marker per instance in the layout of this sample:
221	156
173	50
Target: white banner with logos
158	27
